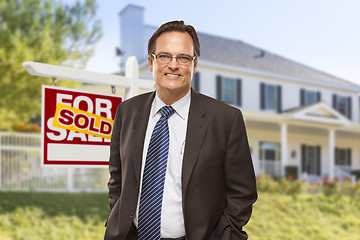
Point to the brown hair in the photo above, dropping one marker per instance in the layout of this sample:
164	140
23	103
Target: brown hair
174	26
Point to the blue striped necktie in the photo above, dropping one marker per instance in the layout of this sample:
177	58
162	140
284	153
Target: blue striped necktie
149	220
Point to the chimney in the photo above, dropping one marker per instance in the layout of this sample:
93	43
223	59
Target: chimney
132	34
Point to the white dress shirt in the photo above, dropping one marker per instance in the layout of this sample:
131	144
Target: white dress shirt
172	218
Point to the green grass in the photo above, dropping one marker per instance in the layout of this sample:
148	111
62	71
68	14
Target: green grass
62	216
52	216
304	217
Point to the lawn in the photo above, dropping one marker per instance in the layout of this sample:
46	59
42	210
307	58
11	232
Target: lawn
305	217
294	215
52	216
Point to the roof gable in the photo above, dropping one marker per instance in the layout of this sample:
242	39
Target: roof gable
318	112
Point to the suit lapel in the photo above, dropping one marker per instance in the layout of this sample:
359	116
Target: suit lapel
141	121
197	126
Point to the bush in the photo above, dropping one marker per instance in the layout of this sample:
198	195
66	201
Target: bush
266	184
356	173
304	216
279	185
28	128
291	172
293	186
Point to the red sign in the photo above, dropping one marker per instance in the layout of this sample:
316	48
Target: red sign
76	127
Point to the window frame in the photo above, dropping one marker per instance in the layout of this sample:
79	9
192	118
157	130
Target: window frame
237	90
313	98
345	160
271	98
345	108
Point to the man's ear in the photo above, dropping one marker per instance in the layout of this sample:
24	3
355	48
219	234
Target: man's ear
195	66
151	61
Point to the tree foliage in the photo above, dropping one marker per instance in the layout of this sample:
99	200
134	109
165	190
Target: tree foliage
46	31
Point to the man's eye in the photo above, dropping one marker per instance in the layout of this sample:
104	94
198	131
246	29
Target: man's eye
184	58
164	56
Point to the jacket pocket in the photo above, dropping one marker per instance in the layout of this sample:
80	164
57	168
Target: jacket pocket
223	230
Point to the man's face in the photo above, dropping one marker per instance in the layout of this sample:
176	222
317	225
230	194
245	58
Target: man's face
172	78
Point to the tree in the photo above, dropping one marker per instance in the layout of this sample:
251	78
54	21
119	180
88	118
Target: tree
46	31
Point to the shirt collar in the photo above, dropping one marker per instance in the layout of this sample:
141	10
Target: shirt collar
181	106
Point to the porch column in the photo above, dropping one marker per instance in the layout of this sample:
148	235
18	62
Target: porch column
331	153
284	148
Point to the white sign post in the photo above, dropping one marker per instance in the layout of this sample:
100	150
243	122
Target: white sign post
76	125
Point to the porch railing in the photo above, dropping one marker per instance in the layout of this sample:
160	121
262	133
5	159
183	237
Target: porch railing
271	167
342	172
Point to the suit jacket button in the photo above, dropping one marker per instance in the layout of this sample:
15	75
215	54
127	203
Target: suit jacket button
132	214
137	186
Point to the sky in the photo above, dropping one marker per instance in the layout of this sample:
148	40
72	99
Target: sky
323	34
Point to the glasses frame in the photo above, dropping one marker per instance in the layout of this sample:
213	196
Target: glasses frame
176	57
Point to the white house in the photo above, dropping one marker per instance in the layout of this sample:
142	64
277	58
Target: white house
296	116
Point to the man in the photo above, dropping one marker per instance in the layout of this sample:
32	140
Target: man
201	185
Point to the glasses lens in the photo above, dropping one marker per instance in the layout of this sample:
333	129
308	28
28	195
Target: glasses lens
164	58
183	59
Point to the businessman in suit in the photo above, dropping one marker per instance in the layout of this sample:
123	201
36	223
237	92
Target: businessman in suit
208	187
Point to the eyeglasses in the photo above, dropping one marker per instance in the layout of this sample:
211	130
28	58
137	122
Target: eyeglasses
167	58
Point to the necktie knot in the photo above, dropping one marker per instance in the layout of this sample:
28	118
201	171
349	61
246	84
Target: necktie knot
167	111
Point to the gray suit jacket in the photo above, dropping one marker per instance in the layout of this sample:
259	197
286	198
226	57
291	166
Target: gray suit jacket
218	182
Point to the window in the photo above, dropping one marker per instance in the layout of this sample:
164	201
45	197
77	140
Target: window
269	151
342	157
342	104
310	159
308	97
270	97
229	90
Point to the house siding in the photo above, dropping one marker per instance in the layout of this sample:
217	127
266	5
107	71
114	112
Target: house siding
250	90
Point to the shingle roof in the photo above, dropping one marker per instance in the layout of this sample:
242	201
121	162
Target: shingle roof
239	54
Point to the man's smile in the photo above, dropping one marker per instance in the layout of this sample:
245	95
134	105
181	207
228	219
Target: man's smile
172	75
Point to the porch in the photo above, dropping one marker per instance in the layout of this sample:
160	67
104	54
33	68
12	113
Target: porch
315	146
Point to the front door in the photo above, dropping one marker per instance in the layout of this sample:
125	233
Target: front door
270	158
311	160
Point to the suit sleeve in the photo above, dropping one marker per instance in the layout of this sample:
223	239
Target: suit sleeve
240	182
115	180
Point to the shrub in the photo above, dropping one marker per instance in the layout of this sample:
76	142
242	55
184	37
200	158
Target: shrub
291	172
292	186
24	127
266	183
356	173
280	185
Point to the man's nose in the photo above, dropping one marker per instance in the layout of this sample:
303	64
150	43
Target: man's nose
173	64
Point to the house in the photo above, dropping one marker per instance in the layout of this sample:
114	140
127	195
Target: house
299	120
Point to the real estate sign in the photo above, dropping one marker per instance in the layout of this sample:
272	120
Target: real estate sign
76	127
